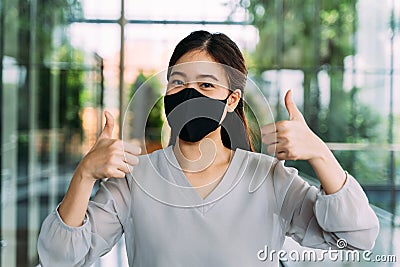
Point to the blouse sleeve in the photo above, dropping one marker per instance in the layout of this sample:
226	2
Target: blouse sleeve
63	245
315	219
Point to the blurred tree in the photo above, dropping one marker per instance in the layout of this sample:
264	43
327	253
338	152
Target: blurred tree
305	35
31	25
36	22
310	35
72	85
358	125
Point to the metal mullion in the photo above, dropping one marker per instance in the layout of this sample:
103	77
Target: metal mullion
392	160
2	14
121	23
173	22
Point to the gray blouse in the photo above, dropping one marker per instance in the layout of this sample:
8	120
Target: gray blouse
166	223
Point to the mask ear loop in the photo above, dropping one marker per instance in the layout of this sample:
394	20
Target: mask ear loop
230	92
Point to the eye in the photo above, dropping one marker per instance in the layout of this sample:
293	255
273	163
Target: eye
206	85
177	82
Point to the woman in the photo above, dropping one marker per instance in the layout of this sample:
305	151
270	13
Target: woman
219	221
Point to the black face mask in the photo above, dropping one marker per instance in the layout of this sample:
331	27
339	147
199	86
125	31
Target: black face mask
192	115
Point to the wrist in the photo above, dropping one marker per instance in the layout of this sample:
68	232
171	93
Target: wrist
322	153
83	175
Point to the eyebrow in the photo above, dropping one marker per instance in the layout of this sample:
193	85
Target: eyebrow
207	76
198	76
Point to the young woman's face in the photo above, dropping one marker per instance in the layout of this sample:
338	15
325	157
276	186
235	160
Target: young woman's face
198	70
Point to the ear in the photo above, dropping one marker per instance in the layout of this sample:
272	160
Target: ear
233	99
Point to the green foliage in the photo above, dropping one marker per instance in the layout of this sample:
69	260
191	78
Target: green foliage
338	26
353	122
357	123
73	95
50	14
302	33
306	35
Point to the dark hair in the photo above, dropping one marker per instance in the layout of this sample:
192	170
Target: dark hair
224	51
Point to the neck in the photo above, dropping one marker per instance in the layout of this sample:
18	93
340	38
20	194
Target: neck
198	156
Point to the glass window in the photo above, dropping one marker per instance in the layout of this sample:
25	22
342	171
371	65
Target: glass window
181	10
101	9
61	68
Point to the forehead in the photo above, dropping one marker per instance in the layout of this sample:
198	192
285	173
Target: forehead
198	62
195	55
193	70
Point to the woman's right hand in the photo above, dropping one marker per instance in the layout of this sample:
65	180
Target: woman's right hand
109	157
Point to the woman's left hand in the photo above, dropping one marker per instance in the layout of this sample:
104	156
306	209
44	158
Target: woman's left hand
292	139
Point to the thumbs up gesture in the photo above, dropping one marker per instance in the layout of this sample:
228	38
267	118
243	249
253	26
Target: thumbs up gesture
109	157
292	139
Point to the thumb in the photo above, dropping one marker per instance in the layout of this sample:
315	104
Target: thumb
108	127
294	112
